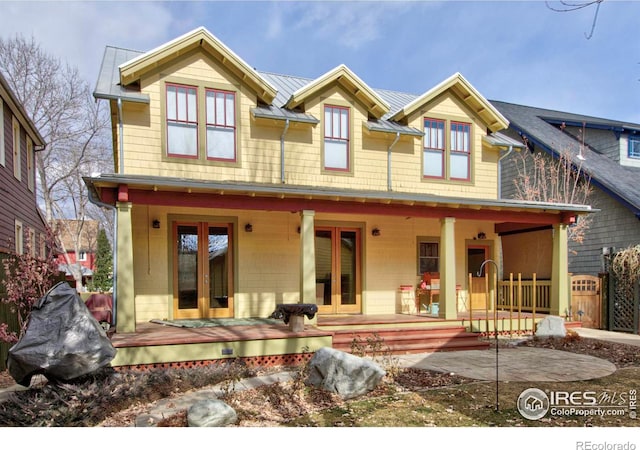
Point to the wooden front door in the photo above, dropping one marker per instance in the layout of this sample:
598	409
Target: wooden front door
202	270
338	261
476	254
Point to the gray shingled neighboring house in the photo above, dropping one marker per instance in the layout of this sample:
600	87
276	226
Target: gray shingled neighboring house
611	157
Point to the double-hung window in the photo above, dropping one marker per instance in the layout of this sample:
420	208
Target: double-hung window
428	255
221	125
182	121
336	138
17	161
434	150
634	147
446	157
460	151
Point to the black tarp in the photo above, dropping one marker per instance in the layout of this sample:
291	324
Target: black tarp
63	340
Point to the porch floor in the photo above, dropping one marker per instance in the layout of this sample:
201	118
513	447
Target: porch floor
153	334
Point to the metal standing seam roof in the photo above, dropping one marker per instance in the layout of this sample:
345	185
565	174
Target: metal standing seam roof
619	181
108	85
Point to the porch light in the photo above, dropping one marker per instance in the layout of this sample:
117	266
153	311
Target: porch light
248	228
482	235
375	232
155	223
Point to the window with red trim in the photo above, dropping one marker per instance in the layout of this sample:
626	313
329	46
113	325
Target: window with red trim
182	121
221	125
336	138
460	151
434	150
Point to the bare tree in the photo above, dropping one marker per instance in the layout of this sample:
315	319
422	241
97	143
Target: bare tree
565	6
73	125
542	178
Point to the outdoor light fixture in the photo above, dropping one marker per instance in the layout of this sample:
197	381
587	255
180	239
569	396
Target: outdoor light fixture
482	235
375	232
155	223
248	228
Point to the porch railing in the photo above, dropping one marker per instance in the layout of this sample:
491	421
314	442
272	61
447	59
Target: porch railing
518	301
524	294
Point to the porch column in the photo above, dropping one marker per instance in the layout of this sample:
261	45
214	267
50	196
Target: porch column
125	300
448	307
560	271
308	259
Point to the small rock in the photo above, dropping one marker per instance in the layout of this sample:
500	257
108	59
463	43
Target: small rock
551	326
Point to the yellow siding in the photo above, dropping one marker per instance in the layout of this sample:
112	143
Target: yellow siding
267	260
259	141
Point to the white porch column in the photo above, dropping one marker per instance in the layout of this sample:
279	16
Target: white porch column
560	295
448	307
125	300
308	259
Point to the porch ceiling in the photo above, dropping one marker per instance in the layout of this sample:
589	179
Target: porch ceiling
109	188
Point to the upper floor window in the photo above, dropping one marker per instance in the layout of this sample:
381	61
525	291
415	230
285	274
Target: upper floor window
17	163
82	256
1	132
182	121
634	147
433	160
446	160
336	138
221	125
460	150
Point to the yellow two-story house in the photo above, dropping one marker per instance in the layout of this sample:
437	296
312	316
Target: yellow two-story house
237	190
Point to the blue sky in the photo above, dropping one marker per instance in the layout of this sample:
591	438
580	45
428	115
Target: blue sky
514	51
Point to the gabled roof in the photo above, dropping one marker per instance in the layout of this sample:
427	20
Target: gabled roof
467	93
19	112
349	81
532	123
133	69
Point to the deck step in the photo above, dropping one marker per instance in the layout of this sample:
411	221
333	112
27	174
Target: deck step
408	340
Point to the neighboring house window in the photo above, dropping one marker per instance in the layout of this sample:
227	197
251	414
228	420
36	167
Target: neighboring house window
460	149
82	256
221	125
19	236
17	166
634	147
31	241
1	132
336	138
434	150
43	246
30	171
428	256
182	121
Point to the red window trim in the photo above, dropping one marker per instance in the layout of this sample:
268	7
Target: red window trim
216	125
467	152
442	149
338	138
188	87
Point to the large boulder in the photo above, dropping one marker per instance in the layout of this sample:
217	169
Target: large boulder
211	413
63	340
551	326
342	373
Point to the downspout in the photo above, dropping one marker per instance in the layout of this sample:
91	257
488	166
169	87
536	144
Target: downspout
500	170
286	128
120	132
93	199
395	141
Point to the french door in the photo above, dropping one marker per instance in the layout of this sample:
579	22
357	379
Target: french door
338	270
202	270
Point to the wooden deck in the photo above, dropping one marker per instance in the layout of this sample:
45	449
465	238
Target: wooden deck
152	334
